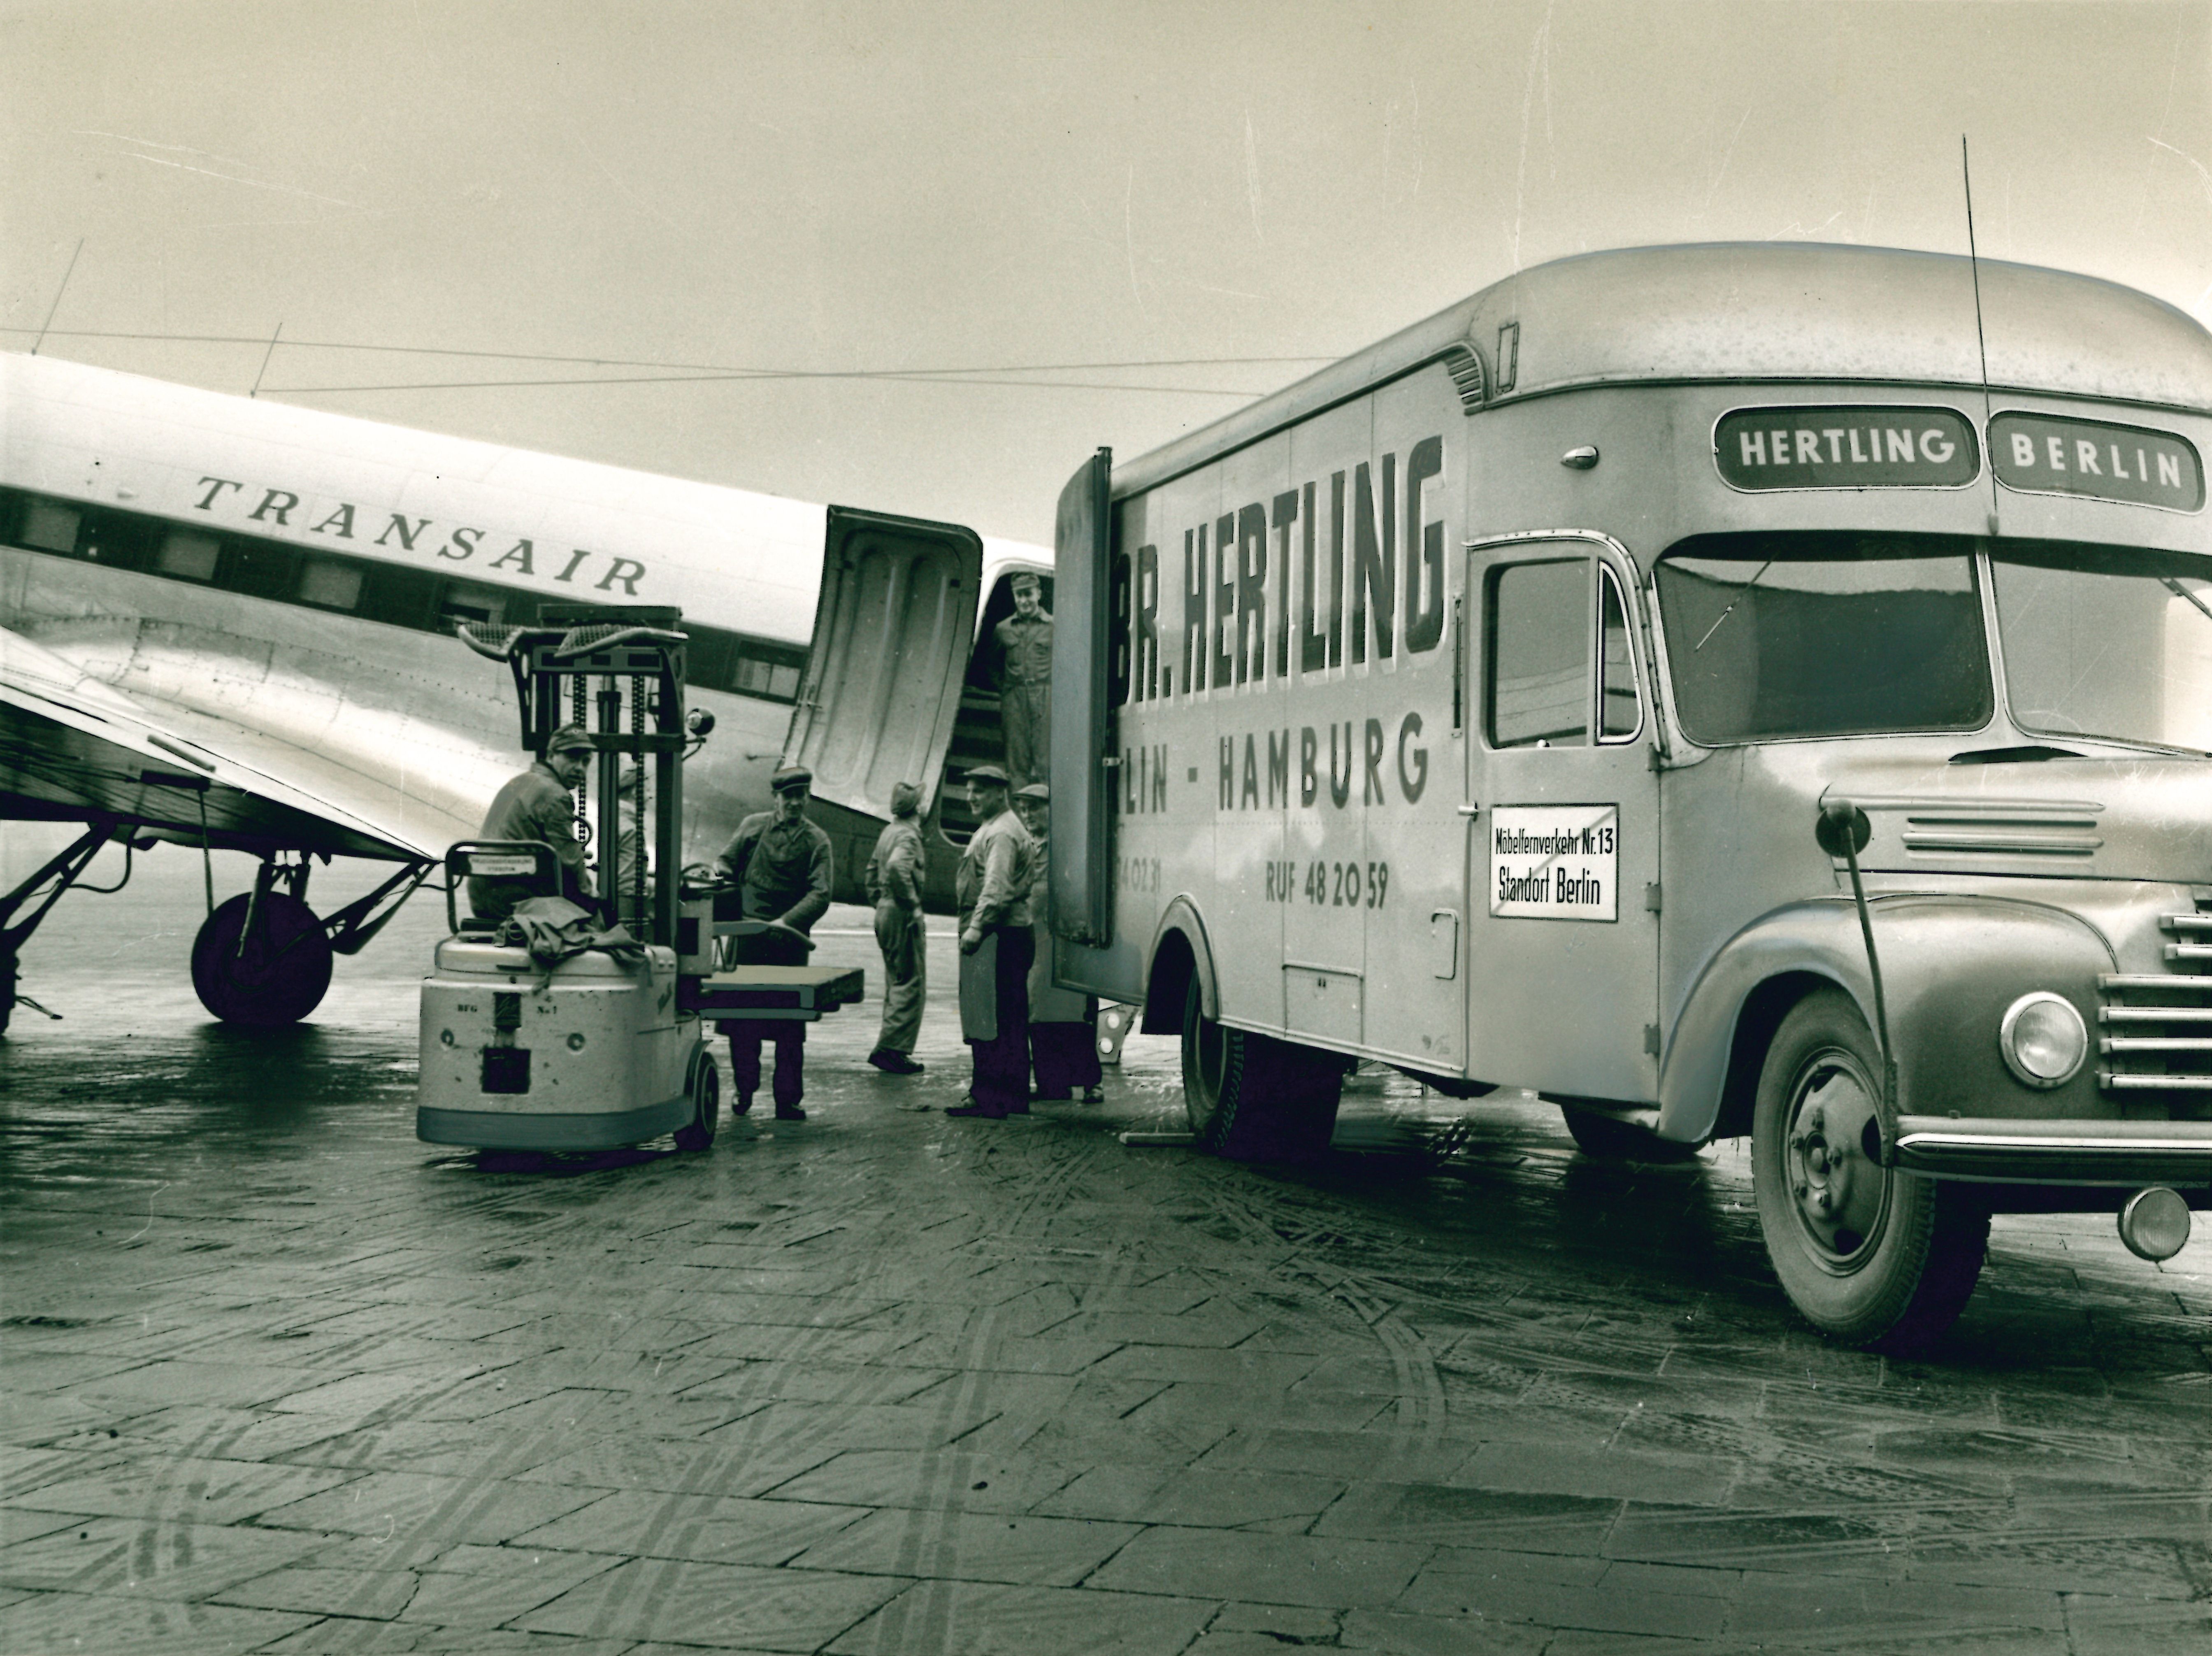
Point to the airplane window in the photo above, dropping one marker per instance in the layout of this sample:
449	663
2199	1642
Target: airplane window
469	604
336	586
774	680
189	555
50	525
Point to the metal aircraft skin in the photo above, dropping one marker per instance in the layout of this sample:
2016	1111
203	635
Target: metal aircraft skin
231	622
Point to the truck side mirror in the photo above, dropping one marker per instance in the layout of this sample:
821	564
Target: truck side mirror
1842	829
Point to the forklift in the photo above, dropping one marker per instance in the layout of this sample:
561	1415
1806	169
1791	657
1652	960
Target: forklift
606	1046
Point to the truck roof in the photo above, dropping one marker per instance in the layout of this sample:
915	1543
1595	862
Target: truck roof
1756	312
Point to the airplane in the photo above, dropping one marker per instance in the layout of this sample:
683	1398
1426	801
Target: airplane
230	624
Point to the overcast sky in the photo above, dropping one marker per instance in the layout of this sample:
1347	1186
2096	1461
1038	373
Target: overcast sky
867	196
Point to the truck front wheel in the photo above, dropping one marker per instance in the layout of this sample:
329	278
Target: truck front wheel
1253	1098
1869	1256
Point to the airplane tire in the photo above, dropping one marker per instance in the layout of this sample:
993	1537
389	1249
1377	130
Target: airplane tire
698	1133
1253	1097
277	979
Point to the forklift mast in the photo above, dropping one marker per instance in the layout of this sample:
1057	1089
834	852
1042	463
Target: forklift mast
635	654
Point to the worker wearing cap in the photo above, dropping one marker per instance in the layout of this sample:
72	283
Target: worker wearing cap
538	805
1024	641
1063	1022
781	865
895	874
996	948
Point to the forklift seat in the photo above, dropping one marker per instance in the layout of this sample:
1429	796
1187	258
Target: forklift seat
529	862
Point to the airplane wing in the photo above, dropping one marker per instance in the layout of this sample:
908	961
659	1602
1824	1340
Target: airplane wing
74	749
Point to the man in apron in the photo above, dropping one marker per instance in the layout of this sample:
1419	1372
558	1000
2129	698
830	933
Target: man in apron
996	948
781	863
895	874
1063	1022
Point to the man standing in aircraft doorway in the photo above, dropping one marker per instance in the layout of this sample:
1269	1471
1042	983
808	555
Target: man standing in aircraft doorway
538	805
781	864
1024	640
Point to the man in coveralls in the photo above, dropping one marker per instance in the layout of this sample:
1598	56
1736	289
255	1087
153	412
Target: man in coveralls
537	804
1063	1022
895	874
780	864
996	948
1024	641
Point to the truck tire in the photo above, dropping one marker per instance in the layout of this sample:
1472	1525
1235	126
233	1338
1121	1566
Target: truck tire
1253	1098
1869	1256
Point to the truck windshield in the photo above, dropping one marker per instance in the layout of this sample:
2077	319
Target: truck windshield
1797	634
2105	641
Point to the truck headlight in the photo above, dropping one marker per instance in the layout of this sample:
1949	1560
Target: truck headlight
2042	1038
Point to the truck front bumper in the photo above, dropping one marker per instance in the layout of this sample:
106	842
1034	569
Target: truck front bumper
2006	1150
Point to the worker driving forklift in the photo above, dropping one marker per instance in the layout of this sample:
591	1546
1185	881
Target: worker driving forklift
547	1026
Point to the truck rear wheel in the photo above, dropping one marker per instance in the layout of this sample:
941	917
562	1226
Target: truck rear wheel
1869	1256
1253	1098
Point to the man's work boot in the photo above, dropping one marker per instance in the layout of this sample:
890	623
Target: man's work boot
789	1112
892	1062
743	1104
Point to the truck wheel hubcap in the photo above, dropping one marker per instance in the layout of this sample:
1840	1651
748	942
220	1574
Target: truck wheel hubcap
1839	1195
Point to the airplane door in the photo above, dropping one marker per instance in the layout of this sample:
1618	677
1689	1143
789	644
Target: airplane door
891	631
1564	955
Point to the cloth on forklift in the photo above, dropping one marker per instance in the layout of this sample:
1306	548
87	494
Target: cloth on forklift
552	928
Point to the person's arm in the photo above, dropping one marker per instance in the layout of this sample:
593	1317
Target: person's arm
551	818
730	866
812	906
998	892
902	872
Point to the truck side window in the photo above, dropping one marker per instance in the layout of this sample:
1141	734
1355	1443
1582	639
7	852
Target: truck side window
1620	716
1539	654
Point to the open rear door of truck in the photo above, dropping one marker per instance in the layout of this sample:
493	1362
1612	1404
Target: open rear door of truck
891	635
1086	687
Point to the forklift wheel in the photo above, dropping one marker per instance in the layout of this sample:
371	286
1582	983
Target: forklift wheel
698	1134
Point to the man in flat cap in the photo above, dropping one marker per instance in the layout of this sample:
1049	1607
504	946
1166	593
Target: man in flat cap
996	948
538	804
1024	641
895	874
1063	1022
780	864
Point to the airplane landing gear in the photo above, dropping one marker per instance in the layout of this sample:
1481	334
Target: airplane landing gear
263	959
22	908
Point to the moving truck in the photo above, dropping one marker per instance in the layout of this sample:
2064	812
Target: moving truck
1731	690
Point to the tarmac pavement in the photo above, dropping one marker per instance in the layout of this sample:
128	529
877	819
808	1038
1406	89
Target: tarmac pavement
275	1376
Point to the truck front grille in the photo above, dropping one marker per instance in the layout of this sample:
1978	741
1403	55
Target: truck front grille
2155	1028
